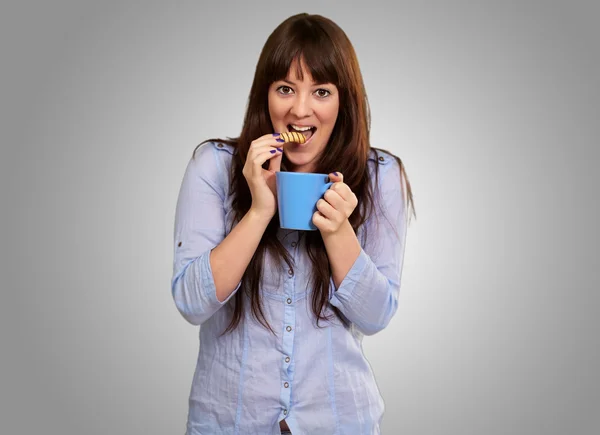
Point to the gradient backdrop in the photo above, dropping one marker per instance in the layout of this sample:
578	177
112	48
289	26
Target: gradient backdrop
494	108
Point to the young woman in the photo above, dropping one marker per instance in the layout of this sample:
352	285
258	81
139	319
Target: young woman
283	312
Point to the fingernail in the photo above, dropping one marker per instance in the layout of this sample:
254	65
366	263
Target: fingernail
280	140
273	151
280	150
335	173
276	134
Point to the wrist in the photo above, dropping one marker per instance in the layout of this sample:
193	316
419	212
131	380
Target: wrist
344	230
259	217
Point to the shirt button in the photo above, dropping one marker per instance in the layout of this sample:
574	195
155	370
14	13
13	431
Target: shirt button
287	359
381	159
285	412
294	244
220	145
288	329
290	272
289	301
286	385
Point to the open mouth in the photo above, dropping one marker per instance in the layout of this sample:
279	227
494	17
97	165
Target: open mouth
307	132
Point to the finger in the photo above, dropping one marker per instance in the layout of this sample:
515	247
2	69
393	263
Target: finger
320	221
326	209
257	149
264	141
271	138
342	189
334	199
259	160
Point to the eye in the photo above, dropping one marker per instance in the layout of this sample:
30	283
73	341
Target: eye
285	90
321	91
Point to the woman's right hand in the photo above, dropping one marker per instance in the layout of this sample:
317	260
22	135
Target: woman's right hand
262	181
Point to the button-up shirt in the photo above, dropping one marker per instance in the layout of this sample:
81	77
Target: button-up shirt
316	378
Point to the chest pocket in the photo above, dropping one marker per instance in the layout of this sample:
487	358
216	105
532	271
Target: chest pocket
274	274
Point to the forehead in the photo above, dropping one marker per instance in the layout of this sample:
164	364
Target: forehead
299	72
308	68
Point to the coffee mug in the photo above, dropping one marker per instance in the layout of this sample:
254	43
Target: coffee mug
297	196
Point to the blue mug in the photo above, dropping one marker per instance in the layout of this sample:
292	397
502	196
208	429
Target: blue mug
297	196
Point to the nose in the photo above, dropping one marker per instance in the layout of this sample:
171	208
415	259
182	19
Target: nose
301	107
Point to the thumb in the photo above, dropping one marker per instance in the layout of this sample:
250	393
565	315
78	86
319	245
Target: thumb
275	163
336	177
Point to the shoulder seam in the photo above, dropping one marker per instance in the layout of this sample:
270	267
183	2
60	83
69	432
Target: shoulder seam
222	165
220	146
380	157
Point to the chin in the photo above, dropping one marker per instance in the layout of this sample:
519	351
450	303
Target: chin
300	162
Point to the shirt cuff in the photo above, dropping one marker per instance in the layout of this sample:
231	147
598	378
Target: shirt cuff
352	278
208	282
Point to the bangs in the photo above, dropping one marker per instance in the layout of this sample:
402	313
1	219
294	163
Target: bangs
314	48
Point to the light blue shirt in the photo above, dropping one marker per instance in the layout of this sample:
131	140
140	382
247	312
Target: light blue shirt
317	379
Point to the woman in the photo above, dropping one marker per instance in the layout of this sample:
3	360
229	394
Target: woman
283	312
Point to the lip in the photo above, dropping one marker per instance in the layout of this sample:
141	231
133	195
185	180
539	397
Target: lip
303	145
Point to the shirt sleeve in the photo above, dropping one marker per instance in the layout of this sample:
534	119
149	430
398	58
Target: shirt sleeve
368	295
199	227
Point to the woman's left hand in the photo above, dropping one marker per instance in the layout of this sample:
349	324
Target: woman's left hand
336	206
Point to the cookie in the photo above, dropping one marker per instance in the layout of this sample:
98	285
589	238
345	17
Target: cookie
293	136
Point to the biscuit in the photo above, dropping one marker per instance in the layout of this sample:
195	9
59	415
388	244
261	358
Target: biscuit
293	136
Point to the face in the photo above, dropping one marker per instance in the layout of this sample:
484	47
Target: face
295	104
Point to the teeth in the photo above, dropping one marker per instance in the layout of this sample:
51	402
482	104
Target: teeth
295	127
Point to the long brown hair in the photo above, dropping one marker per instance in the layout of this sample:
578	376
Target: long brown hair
325	50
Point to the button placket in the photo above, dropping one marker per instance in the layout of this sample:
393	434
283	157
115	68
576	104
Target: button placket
289	321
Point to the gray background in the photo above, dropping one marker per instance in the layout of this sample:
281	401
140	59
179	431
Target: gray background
494	108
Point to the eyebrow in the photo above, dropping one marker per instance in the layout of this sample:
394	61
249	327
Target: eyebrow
314	84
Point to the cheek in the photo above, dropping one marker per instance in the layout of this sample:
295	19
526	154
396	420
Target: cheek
274	109
330	119
331	114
